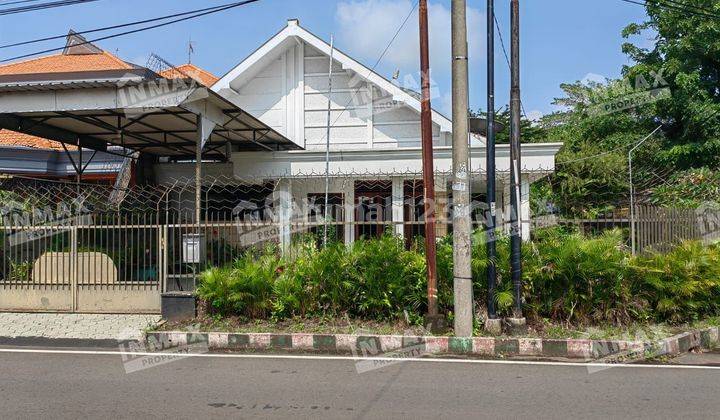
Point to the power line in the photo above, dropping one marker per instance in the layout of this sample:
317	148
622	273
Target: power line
679	3
48	5
693	10
228	7
507	58
107	28
377	62
684	7
8	3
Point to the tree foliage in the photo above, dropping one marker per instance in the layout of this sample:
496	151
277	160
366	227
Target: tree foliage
675	84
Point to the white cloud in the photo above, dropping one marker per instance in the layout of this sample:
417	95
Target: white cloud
366	27
594	77
445	105
534	115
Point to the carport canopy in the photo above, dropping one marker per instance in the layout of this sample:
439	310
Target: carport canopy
162	117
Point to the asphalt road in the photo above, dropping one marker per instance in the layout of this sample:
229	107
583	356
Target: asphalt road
73	386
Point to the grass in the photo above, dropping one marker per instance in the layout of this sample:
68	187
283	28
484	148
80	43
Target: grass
242	325
345	325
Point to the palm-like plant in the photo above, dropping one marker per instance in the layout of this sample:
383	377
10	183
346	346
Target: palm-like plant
684	284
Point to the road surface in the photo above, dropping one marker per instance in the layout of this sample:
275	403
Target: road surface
90	385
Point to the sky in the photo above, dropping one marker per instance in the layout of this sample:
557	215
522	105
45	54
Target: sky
561	40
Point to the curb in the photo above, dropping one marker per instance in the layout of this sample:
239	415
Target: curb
377	345
59	342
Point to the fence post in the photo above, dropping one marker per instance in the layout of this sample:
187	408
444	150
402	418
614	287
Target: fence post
74	266
633	245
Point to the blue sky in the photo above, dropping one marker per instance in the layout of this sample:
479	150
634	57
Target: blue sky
562	40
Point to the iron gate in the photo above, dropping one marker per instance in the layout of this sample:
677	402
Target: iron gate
98	263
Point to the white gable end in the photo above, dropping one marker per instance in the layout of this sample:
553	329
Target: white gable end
285	84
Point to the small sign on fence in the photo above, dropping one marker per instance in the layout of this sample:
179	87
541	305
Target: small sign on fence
193	248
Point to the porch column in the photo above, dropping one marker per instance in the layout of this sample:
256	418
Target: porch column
200	142
442	199
506	206
525	207
204	129
283	197
349	212
398	206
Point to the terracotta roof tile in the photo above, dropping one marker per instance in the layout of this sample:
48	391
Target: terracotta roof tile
10	138
206	78
60	63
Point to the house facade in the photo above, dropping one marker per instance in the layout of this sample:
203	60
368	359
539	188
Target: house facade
253	145
373	154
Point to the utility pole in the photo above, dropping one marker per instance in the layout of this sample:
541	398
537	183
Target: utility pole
433	319
492	323
517	322
462	272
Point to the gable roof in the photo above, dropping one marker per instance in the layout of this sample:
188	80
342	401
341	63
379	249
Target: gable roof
201	76
293	32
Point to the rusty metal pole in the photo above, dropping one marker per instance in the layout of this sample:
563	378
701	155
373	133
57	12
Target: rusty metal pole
433	319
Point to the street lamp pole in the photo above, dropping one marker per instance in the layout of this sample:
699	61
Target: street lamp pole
633	246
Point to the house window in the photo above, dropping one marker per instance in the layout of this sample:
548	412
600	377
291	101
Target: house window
414	210
336	216
373	208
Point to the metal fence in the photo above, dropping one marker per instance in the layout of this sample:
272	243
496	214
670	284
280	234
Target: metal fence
657	229
71	247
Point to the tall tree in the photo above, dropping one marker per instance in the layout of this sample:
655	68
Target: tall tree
685	55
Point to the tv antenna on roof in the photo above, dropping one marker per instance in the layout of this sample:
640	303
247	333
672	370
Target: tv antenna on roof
191	50
160	65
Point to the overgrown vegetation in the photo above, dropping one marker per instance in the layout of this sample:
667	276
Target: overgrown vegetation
674	84
569	278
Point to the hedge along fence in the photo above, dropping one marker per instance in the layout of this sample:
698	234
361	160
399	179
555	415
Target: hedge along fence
568	278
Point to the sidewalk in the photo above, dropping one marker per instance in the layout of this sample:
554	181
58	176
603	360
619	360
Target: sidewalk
71	329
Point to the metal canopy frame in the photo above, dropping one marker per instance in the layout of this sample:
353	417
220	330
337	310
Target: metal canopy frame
91	115
177	119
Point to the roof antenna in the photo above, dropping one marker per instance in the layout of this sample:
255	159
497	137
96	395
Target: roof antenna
396	75
191	50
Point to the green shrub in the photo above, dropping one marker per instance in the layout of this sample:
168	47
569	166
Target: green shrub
577	279
315	281
245	288
386	277
683	285
567	277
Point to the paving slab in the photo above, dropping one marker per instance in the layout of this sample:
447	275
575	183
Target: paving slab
63	326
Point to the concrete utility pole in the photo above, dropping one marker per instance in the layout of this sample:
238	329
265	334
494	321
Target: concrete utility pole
461	174
517	322
492	323
433	319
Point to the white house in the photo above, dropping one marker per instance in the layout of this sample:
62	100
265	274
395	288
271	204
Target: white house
375	154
